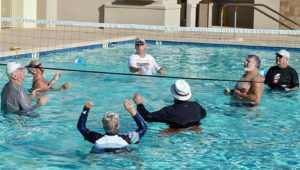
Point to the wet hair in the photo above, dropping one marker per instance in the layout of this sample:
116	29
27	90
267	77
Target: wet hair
111	123
256	58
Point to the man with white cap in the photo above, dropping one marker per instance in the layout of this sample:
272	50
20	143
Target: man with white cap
142	63
13	97
182	114
282	76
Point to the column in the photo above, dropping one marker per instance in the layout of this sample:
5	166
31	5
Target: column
159	12
0	14
25	9
191	12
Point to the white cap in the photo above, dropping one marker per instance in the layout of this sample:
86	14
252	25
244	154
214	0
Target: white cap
284	53
12	66
181	90
140	40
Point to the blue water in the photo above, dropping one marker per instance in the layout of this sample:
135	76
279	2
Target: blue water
232	137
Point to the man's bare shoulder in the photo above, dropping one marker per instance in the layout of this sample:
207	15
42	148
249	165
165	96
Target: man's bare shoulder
259	78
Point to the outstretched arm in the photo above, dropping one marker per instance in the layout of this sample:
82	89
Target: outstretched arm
158	116
55	78
81	125
142	127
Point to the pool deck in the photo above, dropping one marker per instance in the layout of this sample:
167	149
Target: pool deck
28	40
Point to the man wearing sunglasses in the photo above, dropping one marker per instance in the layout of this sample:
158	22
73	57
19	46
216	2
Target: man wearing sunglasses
141	62
282	76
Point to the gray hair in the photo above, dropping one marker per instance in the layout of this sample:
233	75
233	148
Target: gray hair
10	75
32	65
111	122
256	58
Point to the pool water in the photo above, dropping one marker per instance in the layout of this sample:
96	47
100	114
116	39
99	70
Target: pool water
232	137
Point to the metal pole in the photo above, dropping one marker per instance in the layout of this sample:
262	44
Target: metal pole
222	16
235	15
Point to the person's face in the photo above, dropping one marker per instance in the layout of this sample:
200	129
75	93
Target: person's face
19	75
250	64
281	60
140	47
39	70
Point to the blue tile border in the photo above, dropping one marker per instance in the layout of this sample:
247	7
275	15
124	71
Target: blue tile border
45	53
153	42
195	44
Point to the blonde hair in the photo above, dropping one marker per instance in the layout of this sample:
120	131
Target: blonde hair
111	123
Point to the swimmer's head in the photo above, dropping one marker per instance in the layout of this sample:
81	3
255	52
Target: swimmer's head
252	63
181	90
33	65
140	41
111	123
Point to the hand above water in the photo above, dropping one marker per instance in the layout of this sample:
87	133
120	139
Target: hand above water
129	107
89	104
138	99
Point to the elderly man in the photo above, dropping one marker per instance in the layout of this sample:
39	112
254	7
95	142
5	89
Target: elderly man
142	63
282	76
182	114
250	87
13	97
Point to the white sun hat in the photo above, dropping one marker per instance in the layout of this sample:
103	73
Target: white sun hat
284	53
181	90
12	66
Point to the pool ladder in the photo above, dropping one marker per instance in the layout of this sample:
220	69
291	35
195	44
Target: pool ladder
35	55
105	45
158	43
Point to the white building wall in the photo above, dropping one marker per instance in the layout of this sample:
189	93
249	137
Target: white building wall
80	10
263	22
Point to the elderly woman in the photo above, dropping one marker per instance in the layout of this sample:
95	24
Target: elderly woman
111	141
36	69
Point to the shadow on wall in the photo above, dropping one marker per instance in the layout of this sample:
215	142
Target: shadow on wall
101	14
123	2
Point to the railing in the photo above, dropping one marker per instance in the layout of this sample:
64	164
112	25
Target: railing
254	7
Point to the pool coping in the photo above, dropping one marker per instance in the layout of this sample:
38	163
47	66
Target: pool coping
42	52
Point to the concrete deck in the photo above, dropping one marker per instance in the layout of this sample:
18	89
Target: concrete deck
53	38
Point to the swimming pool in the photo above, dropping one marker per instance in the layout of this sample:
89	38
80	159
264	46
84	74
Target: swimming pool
232	137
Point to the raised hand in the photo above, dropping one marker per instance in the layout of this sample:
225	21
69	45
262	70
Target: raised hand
138	99
89	104
66	86
129	107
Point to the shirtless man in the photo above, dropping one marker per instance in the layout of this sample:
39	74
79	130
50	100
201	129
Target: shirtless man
250	87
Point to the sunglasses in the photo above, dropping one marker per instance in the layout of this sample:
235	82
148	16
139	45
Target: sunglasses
279	56
139	44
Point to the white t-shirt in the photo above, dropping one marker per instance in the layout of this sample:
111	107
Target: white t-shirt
147	63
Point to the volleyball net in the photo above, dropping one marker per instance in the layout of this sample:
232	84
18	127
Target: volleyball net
185	52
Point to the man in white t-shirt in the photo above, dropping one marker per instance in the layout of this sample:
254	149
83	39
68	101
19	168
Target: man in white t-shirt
142	63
